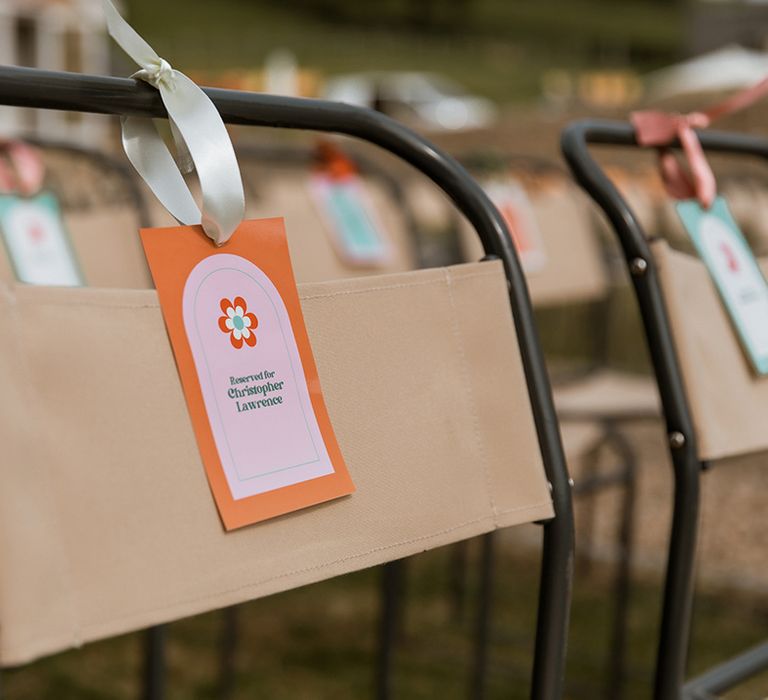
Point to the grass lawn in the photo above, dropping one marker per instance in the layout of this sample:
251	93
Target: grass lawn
318	642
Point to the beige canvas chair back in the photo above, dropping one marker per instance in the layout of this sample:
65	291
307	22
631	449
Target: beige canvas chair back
726	397
100	215
432	210
106	521
727	400
574	270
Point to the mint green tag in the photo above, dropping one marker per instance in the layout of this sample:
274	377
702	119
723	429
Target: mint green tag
358	236
37	242
735	272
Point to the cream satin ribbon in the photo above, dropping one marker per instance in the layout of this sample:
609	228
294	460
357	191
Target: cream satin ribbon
201	139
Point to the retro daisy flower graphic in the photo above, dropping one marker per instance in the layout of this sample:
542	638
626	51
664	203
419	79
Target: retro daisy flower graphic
238	323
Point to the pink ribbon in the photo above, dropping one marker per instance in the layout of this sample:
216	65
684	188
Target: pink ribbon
660	129
23	171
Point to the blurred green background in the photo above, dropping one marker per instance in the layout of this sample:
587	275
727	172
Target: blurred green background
496	48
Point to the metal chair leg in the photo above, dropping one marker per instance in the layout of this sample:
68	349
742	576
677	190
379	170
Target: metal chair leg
391	584
587	521
457	580
479	676
555	590
154	664
728	674
230	636
672	652
623	476
617	652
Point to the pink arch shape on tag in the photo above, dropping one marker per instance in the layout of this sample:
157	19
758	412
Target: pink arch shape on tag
256	397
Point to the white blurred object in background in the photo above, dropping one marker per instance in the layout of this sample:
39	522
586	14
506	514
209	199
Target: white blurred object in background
730	68
281	73
423	99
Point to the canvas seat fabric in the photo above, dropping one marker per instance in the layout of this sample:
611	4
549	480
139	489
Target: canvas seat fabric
107	524
726	397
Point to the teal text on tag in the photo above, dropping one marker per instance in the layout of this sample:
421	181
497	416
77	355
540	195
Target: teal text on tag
735	272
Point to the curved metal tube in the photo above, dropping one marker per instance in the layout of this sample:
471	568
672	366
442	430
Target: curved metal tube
27	87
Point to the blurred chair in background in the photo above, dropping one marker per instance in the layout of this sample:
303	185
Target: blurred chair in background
573	281
713	402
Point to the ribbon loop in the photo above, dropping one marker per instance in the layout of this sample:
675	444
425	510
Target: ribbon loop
660	129
200	137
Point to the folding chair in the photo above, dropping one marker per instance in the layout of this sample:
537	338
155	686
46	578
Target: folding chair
573	287
101	207
466	363
706	406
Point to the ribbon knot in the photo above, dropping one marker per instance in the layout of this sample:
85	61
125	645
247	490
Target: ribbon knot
157	73
201	139
659	129
653	128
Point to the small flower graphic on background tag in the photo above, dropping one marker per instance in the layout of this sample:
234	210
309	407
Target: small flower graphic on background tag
731	260
236	321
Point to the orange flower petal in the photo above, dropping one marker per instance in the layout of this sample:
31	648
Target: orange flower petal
223	324
251	340
239	301
236	342
254	321
225	304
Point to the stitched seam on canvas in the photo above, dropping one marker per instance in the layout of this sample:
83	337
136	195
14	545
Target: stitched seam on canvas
318	567
155	305
63	564
56	639
482	454
98	304
435	282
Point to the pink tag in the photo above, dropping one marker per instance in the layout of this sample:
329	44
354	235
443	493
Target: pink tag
259	408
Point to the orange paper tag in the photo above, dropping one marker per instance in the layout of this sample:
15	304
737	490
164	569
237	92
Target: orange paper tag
247	370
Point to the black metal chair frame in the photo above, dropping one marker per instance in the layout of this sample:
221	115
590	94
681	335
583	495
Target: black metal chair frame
674	635
623	474
24	87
